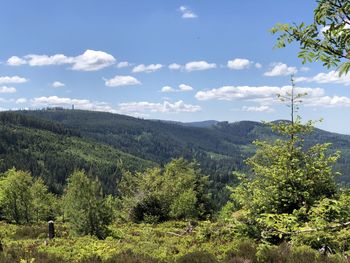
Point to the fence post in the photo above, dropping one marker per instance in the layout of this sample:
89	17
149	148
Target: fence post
51	230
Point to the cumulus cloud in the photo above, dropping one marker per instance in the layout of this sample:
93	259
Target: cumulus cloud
199	65
123	64
182	88
187	13
238	63
164	107
252	93
45	60
90	60
118	81
329	101
84	104
304	69
261	108
174	66
57	84
93	60
21	100
268	94
330	77
280	69
12	80
147	68
167	89
16	61
5	89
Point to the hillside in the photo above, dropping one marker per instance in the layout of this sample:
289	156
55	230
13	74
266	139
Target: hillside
99	139
53	152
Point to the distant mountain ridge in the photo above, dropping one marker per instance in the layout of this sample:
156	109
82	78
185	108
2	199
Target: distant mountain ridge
219	147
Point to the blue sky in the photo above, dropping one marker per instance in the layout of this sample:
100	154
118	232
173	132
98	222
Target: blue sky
173	60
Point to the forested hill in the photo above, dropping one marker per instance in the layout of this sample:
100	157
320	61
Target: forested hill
220	147
51	143
53	151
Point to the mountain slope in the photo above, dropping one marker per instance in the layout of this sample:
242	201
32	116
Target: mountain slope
52	151
220	148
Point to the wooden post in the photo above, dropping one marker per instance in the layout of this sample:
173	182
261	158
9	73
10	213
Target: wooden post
51	230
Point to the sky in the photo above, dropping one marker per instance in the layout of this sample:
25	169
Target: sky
175	60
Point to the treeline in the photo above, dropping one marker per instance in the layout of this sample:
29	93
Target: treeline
220	149
176	192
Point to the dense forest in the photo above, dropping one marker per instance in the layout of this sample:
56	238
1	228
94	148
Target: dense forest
52	143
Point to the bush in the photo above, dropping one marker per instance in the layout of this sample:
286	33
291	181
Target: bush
18	253
197	257
149	210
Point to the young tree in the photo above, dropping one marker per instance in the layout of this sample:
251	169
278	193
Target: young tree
286	177
85	207
44	203
326	39
16	198
23	199
179	191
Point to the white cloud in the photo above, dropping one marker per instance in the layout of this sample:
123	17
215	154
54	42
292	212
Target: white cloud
174	66
118	81
44	60
238	63
184	87
147	69
57	84
329	101
268	94
187	13
330	77
262	108
280	69
252	93
167	89
258	65
199	65
90	60
165	107
123	64
12	80
16	61
5	89
304	69
84	104
93	60
21	100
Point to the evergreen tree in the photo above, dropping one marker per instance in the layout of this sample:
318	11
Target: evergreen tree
286	176
85	207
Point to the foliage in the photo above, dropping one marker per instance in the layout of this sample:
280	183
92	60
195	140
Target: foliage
51	144
85	207
51	151
179	191
326	39
290	185
23	199
153	243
